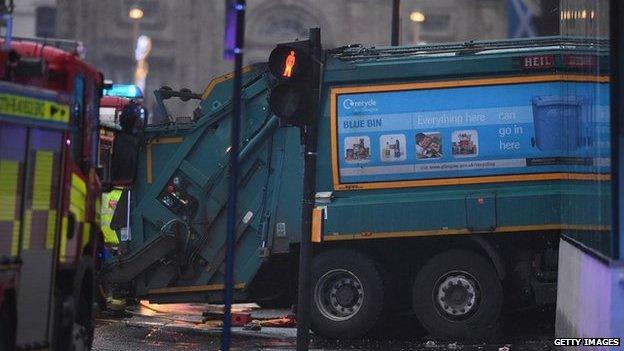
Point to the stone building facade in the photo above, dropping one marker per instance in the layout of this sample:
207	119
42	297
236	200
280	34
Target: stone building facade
187	35
34	18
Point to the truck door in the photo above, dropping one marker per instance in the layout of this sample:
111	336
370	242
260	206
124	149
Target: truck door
39	215
481	211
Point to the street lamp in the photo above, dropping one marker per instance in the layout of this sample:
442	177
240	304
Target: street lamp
135	13
418	18
143	45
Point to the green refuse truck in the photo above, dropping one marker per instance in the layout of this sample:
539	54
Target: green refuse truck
444	177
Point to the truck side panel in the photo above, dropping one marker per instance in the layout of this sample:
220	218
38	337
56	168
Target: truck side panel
182	194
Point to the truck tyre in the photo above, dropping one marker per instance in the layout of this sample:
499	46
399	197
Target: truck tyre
348	294
75	334
76	311
458	295
7	325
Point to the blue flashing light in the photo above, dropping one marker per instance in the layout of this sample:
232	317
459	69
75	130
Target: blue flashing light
129	91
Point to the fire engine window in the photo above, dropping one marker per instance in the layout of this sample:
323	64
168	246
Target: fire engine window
93	119
77	122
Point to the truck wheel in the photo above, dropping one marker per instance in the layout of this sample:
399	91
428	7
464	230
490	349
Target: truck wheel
458	295
7	326
76	333
83	328
348	295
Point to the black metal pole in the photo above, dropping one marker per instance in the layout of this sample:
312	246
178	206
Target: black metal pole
233	175
396	6
304	297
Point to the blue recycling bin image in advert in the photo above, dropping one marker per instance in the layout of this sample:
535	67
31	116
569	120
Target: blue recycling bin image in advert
557	120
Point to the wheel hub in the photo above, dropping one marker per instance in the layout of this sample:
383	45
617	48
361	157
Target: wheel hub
346	293
457	295
338	295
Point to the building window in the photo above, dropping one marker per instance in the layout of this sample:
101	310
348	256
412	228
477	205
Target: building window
45	21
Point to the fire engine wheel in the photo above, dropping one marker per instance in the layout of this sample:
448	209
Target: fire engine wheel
458	295
75	318
7	326
348	294
77	329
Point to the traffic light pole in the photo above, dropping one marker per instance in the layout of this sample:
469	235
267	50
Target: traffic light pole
396	8
233	175
310	131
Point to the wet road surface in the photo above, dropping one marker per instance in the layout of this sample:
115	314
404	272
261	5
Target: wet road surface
179	327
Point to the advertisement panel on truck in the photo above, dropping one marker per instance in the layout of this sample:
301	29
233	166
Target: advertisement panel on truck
473	128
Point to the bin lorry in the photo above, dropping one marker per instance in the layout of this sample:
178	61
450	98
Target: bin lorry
49	193
445	175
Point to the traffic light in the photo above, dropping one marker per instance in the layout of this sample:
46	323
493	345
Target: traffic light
295	67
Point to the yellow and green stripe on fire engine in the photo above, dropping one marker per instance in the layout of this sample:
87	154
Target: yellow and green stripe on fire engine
38	223
31	159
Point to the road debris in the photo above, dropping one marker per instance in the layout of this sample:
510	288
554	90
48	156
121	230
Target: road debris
453	346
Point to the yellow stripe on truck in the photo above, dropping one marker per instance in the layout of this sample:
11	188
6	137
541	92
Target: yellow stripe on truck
41	197
8	189
20	106
78	183
77	198
63	248
15	239
49	242
9	173
86	234
77	206
27	229
42	185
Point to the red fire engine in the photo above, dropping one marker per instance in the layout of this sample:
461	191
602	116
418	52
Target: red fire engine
49	195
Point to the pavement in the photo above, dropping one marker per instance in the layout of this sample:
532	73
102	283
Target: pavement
180	327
